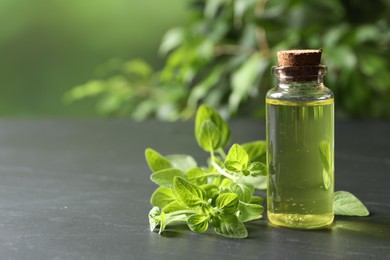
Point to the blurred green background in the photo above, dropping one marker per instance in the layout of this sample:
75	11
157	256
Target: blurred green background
162	58
49	46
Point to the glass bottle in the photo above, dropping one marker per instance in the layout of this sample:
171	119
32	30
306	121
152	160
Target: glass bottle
300	144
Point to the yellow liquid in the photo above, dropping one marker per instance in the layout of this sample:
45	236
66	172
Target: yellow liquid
300	161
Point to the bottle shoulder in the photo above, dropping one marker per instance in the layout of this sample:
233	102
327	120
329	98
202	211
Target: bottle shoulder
320	92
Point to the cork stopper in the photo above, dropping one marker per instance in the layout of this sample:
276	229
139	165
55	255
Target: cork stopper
294	58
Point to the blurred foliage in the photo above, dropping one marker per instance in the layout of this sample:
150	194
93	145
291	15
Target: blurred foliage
223	57
48	46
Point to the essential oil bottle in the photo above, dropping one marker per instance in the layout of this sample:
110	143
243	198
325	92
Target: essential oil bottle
300	143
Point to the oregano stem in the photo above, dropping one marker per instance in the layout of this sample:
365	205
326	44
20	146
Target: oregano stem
222	153
212	154
221	171
179	212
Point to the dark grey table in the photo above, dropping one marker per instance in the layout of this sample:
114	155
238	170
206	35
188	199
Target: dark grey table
76	189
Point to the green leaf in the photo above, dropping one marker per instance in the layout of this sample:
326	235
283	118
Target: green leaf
225	183
203	88
344	56
144	109
161	197
138	67
258	169
89	89
212	7
259	182
154	218
209	136
249	212
227	203
244	192
237	158
232	166
238	155
214	221
171	40
206	113
198	223
256	200
188	194
346	204
256	151
241	6
366	33
212	191
244	80
246	172
155	160
327	163
325	154
181	161
174	206
334	35
327	179
165	177
197	173
230	226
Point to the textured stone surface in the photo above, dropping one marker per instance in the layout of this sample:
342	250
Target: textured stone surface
73	189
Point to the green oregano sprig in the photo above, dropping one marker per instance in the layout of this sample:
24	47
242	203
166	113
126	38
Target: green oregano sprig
217	195
220	194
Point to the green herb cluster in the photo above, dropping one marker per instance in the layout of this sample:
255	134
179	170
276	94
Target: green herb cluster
219	194
222	193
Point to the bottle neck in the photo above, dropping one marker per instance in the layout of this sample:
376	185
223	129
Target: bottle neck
300	76
308	84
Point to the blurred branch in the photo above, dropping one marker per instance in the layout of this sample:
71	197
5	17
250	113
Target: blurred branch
260	32
230	49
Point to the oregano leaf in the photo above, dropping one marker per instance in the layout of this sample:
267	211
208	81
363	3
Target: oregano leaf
326	160
225	183
155	160
198	223
243	191
256	200
249	212
161	197
346	204
206	113
258	169
325	154
182	162
233	166
227	203
188	194
237	158
259	182
211	191
165	177
256	150
196	173
230	226
174	206
209	136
